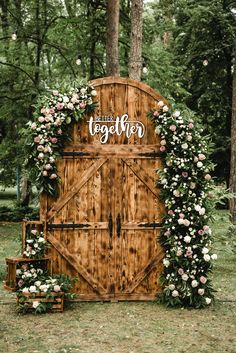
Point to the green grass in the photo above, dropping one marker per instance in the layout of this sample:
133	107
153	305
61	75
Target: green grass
139	327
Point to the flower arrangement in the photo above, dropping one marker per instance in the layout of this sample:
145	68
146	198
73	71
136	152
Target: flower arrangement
50	129
186	186
34	282
36	245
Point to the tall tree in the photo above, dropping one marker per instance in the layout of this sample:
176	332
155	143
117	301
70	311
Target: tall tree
135	62
232	203
112	47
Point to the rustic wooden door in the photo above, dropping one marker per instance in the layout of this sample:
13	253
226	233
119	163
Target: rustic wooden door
104	226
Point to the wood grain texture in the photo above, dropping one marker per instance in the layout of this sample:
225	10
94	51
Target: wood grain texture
109	191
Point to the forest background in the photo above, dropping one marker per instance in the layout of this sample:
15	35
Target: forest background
187	55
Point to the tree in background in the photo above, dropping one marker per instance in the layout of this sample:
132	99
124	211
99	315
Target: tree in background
135	61
232	184
112	34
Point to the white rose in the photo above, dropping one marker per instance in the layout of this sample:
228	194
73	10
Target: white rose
181	221
199	164
18	272
194	283
93	93
202	211
184	146
175	293
171	286
214	256
201	291
66	99
176	114
70	106
187	239
207	257
83	90
166	262
185	277
157	130
57	288
205	250
37	283
208	301
42	287
165	108
32	289
41	240
160	104
197	208
35	304
189	138
25	290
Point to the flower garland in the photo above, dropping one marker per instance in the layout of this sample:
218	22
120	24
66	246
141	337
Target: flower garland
186	190
50	129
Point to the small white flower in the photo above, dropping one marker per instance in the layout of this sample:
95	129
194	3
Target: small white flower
157	130
201	291
205	250
214	256
199	164
25	290
171	286
197	208
176	114
83	91
32	289
37	283
57	288
184	146
202	211
41	240
66	99
93	93
165	108
185	277
208	301
18	272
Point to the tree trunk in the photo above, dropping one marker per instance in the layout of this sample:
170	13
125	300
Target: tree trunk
112	52
135	62
26	191
232	180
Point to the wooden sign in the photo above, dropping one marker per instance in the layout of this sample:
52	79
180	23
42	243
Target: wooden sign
104	225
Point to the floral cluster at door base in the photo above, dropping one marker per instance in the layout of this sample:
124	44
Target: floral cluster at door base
186	186
50	129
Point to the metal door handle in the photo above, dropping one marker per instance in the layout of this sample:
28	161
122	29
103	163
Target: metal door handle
110	225
118	225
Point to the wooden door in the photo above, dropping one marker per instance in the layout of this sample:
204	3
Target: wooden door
104	226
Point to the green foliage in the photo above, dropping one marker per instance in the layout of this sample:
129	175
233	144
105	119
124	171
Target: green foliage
18	213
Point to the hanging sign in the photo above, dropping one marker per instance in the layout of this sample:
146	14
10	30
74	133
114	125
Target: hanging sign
109	125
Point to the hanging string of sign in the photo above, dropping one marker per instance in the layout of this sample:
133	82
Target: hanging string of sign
108	125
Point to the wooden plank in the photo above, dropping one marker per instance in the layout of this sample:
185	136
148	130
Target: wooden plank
85	225
73	260
117	297
145	271
98	150
75	187
142	175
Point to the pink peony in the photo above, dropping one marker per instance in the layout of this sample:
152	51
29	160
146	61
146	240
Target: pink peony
201	157
200	232
170	213
179	252
176	193
180	271
48	166
57	288
162	149
185	174
206	228
186	222
181	215
60	106
172	128
189	253
41	119
52	111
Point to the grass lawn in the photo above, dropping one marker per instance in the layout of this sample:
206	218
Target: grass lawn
138	327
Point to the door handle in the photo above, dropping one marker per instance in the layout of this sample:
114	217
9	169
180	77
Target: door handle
110	225
118	225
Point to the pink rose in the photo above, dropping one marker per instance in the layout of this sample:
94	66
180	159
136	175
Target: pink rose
45	173
52	160
156	113
70	106
48	166
82	105
207	177
162	149
57	288
172	128
203	279
33	126
190	125
60	106
186	222
181	215
37	139
170	213
52	111
206	228
200	232
185	174
189	253
74	98
53	176
48	126
59	131
179	252
180	271
163	142
53	139
201	157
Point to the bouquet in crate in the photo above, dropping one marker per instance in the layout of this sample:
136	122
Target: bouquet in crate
35	245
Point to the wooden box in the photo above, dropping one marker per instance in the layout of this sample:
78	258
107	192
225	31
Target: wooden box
56	300
13	263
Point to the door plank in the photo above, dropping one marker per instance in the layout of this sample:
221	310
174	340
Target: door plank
145	271
142	175
75	187
97	287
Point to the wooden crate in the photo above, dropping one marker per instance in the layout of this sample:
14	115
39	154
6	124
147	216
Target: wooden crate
56	300
12	264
